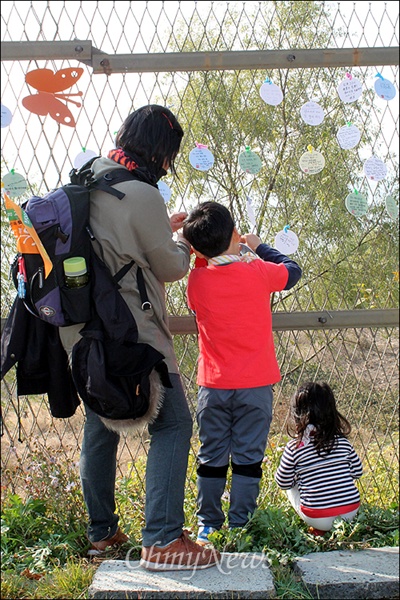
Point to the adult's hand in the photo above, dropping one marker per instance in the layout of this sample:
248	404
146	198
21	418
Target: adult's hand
177	220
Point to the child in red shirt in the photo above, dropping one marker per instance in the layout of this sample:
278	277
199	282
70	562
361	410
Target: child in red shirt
237	366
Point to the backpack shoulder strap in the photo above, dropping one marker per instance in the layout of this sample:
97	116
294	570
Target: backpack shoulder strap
85	177
108	180
146	304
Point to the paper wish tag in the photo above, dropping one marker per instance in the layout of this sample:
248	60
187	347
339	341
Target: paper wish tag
348	136
14	184
286	241
312	161
375	169
271	93
392	208
350	89
83	157
249	161
250	211
201	158
384	88
356	204
165	191
312	113
6	116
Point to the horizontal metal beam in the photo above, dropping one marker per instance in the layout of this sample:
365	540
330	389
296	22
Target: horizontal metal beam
305	321
80	50
282	321
241	60
101	62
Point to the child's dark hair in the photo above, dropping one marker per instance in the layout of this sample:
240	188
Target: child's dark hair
314	404
209	228
153	133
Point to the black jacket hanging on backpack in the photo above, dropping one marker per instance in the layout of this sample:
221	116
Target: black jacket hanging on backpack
35	348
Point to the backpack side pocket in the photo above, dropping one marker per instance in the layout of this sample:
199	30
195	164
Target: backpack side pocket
76	304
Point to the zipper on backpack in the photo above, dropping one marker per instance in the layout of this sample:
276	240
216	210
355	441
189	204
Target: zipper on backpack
41	279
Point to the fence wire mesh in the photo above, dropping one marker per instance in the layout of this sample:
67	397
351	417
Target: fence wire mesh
349	261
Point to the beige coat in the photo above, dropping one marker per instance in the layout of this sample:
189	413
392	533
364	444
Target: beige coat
137	227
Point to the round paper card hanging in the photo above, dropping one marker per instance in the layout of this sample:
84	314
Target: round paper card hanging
249	161
201	158
348	136
375	169
165	191
312	161
6	116
384	88
286	241
14	184
356	204
83	157
350	89
271	93
312	113
392	208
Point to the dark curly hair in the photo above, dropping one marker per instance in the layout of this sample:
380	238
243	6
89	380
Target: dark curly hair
314	404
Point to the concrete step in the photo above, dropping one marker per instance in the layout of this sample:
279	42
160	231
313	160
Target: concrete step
239	575
360	575
346	574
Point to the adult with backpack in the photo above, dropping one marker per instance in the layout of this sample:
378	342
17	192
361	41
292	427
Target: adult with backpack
138	228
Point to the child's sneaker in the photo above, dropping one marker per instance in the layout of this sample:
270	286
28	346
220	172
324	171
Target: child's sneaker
202	536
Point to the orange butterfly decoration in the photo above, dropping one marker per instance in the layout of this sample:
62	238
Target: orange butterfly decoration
48	99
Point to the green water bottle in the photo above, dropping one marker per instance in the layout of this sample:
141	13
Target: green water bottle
75	271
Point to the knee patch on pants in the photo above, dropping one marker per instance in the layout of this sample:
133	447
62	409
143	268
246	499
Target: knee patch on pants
216	472
253	470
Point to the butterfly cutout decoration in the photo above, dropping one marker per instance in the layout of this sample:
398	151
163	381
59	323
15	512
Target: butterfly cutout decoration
48	100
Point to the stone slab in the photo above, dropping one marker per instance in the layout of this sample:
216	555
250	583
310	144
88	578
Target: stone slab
360	575
239	575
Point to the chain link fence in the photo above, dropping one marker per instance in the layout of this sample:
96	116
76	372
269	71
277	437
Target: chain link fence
208	62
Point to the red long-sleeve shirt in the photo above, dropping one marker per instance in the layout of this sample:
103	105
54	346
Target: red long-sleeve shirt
232	307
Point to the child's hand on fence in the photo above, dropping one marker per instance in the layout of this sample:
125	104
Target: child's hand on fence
251	240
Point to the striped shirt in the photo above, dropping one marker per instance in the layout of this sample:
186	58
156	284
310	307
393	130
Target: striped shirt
324	481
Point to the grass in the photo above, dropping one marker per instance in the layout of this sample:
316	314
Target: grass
69	581
43	541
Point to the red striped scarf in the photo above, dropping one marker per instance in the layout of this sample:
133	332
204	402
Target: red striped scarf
119	156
